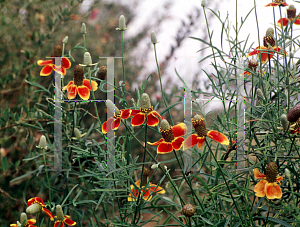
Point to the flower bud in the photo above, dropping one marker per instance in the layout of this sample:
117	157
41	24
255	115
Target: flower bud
111	107
153	37
19	224
284	122
203	3
77	133
287	172
42	143
291	12
59	212
252	64
122	24
34	208
83	28
87	59
260	94
145	101
294	114
166	168
155	166
188	210
23	219
65	40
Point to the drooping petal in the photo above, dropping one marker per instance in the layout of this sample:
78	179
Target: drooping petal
65	63
68	221
31	221
46	70
297	21
152	119
134	112
31	201
157	142
125	113
278	179
218	137
253	52
285	22
278	193
48	213
200	141
72	91
164	148
177	143
87	83
270	190
13	225
68	85
63	71
116	123
44	62
56	224
258	174
83	92
157	189
190	141
107	125
272	4
259	188
179	130
40	201
146	195
138	119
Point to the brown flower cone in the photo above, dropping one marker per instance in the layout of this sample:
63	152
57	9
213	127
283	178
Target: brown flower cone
271	172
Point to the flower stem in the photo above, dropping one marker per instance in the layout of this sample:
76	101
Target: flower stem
44	158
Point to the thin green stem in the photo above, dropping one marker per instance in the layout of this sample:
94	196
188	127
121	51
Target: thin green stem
45	164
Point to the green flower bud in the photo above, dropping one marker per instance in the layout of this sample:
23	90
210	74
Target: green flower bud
287	172
83	28
23	218
34	208
153	37
145	101
65	40
87	59
260	94
155	166
203	3
59	212
77	133
42	143
164	125
284	122
122	24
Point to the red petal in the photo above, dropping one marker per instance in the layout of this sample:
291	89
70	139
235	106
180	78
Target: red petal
31	221
117	123
278	193
278	179
107	126
179	130
134	112
44	62
177	143
48	213
164	148
31	201
56	224
200	141
217	136
65	63
125	113
270	190
72	91
297	21
190	141
156	143
69	84
152	119
46	70
40	201
87	83
285	21
259	188
13	225
284	4
68	221
138	119
104	127
63	71
155	188
83	92
252	53
272	4
258	174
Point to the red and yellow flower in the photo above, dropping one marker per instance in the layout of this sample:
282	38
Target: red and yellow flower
252	65
291	15
277	3
36	204
268	185
267	50
62	219
145	112
201	132
172	137
49	65
24	221
148	191
114	122
80	85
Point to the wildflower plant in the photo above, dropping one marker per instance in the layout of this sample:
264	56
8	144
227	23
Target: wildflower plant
243	171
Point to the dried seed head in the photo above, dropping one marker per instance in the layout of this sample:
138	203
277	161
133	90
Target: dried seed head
294	114
87	59
153	37
57	51
65	40
83	28
77	133
284	122
145	102
34	208
287	172
269	38
78	75
111	107
271	172
102	73
291	12
59	212
188	210
23	218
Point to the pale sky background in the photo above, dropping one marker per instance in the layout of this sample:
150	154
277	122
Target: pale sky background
166	32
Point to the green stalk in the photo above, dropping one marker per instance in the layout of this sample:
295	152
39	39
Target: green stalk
44	158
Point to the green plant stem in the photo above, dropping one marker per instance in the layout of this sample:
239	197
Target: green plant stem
44	158
221	170
161	88
267	216
83	35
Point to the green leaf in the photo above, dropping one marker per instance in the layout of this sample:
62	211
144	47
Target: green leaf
39	86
